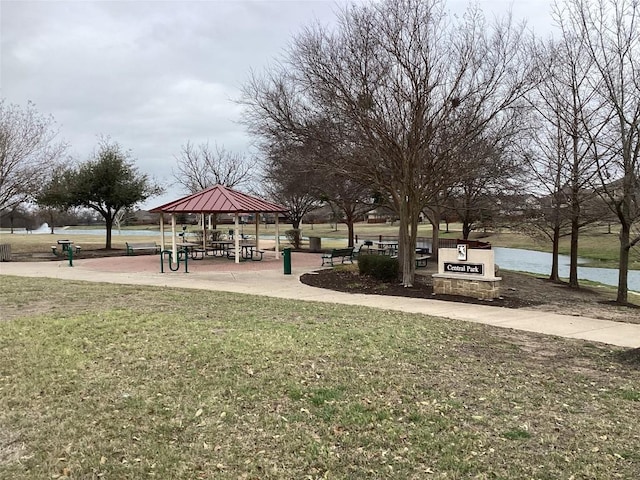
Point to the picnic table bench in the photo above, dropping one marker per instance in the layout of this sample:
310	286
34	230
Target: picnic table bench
65	244
197	253
218	247
247	252
421	260
342	253
132	247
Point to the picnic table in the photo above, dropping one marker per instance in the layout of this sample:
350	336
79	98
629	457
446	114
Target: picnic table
65	244
387	248
195	250
219	247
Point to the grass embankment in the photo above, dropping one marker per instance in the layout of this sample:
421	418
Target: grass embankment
109	381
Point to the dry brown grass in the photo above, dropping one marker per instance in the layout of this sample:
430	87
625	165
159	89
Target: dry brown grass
109	381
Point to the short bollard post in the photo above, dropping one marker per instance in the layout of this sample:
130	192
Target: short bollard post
286	257
70	253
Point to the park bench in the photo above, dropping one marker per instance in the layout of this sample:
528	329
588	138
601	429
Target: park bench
132	247
342	253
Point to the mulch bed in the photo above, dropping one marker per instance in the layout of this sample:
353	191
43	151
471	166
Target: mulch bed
353	282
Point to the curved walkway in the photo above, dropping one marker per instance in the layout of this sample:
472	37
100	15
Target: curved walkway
267	278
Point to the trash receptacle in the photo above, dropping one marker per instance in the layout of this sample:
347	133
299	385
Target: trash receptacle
315	245
286	257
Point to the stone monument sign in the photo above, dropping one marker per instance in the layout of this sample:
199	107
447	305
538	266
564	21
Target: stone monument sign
469	272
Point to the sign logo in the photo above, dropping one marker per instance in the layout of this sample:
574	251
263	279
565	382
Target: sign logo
462	252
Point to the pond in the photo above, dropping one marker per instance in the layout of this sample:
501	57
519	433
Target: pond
540	262
44	229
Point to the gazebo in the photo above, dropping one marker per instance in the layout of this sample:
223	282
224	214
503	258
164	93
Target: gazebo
214	200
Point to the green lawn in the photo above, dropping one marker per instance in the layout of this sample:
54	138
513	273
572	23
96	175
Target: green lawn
109	381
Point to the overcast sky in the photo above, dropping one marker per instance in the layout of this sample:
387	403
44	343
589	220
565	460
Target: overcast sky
155	74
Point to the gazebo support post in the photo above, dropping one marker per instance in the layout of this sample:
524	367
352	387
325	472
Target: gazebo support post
277	237
204	233
174	247
162	231
255	218
236	236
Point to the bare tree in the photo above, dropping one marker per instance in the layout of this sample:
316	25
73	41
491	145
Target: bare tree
611	31
29	152
350	198
564	167
548	215
200	167
410	88
288	179
490	168
318	155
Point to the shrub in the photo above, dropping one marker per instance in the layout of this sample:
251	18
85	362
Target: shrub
381	267
294	237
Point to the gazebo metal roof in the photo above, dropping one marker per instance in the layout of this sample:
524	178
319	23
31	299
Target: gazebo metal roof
219	199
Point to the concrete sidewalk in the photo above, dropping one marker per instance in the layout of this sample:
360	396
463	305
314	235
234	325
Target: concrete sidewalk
274	283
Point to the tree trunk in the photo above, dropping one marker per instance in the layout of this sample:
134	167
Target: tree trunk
435	236
623	267
554	277
573	264
412	242
52	224
108	223
466	230
409	216
350	230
